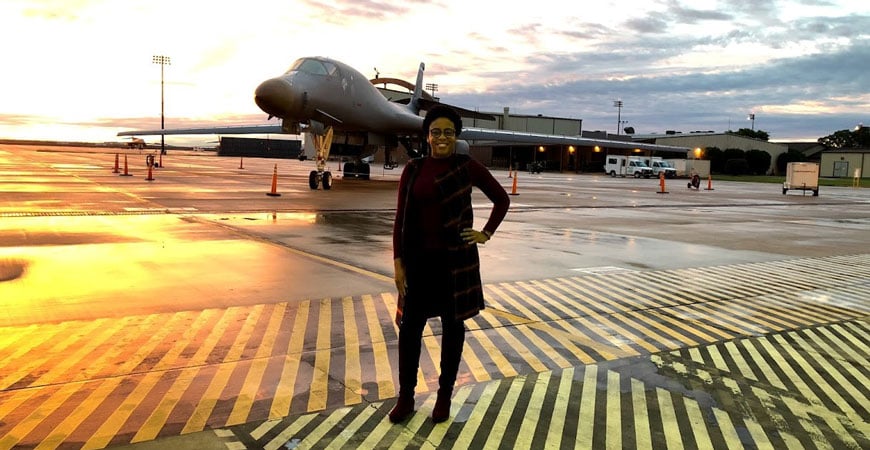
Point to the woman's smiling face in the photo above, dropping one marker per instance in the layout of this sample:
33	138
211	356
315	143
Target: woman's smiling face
442	137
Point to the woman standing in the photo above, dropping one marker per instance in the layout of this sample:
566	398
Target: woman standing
435	254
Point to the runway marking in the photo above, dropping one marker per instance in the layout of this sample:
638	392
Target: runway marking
167	374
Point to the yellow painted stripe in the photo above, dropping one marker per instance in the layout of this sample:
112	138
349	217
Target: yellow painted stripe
699	426
318	392
341	439
560	408
846	352
316	435
742	366
433	349
788	370
119	358
436	436
567	341
534	411
758	434
29	361
522	349
23	427
613	437
763	367
60	351
721	319
495	354
209	398
478	371
586	419
718	360
383	367
498	430
204	348
72	350
545	312
806	422
726	427
352	369
12	400
844	386
817	379
111	426
694	327
62	431
280	441
243	336
540	346
520	307
157	419
642	435
669	420
643	330
252	385
285	390
466	435
657	324
629	286
577	287
746	316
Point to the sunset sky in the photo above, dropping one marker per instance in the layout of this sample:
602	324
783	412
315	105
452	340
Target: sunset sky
82	70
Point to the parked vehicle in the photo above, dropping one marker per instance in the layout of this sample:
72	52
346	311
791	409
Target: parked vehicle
659	165
621	165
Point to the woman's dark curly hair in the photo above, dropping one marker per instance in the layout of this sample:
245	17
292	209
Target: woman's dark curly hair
439	112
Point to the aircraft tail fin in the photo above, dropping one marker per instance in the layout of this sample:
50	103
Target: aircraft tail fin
418	90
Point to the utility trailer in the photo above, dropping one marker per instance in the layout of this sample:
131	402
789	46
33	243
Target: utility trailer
803	176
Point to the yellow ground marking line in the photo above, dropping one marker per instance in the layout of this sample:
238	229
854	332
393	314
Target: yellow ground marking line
782	425
669	419
498	429
383	367
352	370
529	314
495	354
119	351
318	391
59	349
560	408
313	438
61	431
285	389
694	291
613	438
699	426
23	427
600	318
729	433
521	349
566	338
642	434
355	424
436	436
432	348
157	419
844	353
533	413
808	422
579	296
244	334
409	432
789	372
23	346
254	378
84	349
113	424
281	439
817	379
209	398
742	365
725	322
586	419
204	348
475	366
628	289
476	417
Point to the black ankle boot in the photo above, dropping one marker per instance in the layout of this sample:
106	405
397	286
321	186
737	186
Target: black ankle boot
441	411
404	408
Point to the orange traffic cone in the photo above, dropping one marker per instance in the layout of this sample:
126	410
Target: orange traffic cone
116	169
514	187
274	192
709	182
150	177
662	183
126	174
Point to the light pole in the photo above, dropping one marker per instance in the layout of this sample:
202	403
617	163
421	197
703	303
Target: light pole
618	105
752	118
432	87
163	61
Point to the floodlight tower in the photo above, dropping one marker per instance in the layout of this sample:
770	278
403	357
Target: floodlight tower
163	61
752	118
618	105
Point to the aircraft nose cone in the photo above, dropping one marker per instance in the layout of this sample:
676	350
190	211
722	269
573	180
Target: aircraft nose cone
274	96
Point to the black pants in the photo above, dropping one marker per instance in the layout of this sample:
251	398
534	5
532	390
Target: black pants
429	295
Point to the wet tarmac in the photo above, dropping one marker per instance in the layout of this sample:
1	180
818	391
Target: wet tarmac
80	242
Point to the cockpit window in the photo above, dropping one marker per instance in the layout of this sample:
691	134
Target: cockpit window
314	66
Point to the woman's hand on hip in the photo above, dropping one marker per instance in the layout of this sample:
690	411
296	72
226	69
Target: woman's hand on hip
472	236
400	276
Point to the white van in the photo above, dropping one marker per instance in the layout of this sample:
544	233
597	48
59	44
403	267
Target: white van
622	165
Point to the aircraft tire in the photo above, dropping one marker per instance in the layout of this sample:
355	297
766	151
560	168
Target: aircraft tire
637	174
364	171
350	169
312	179
613	174
327	181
